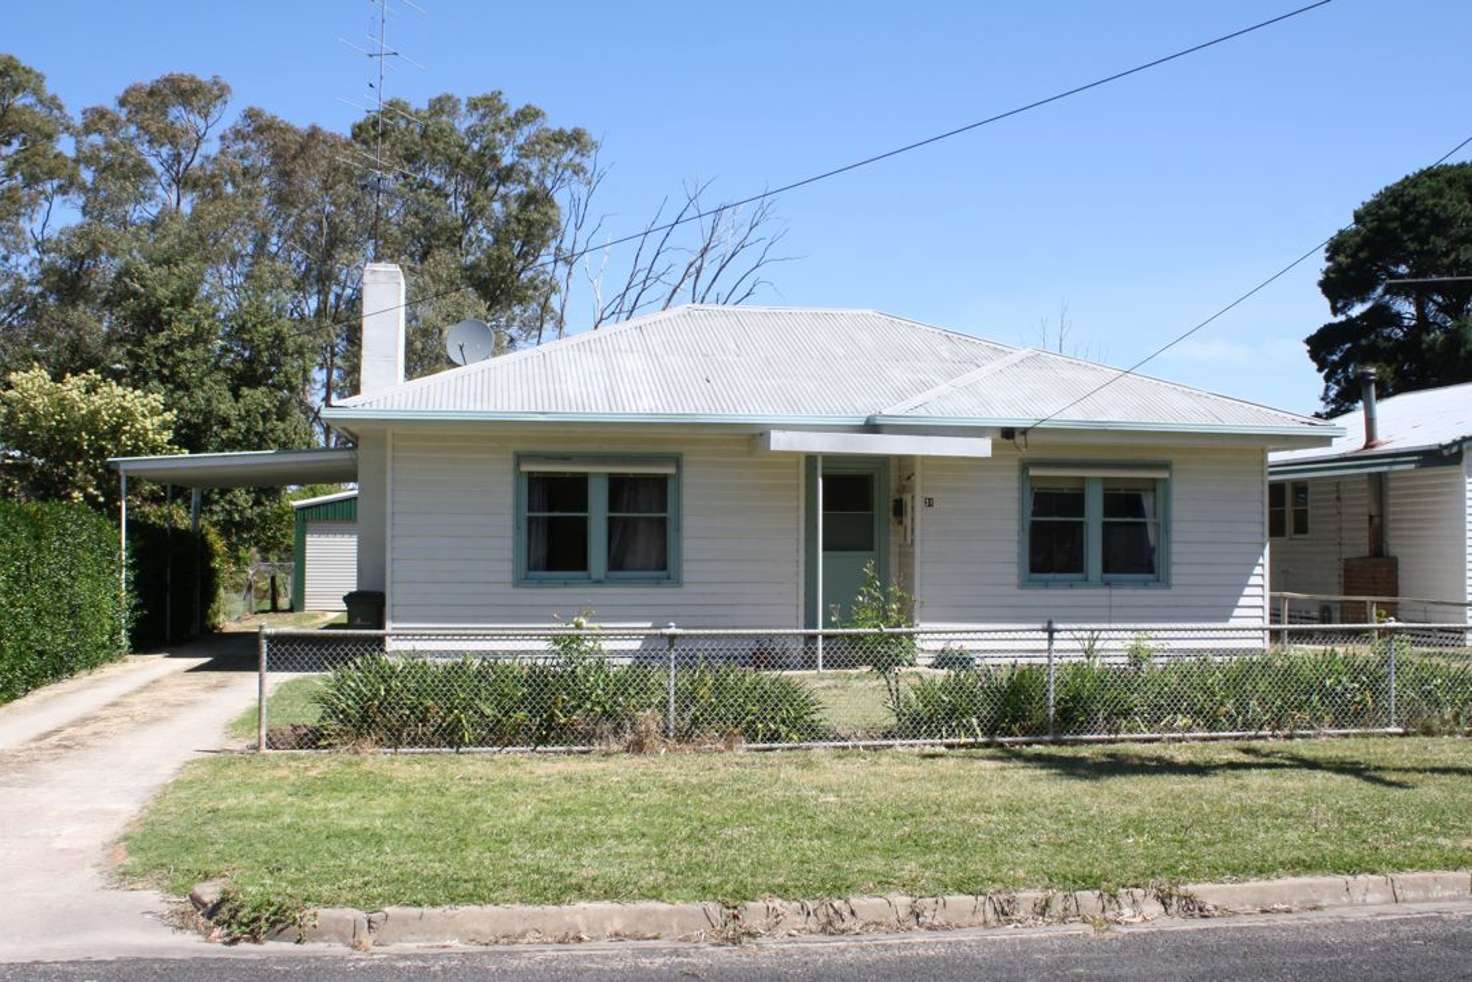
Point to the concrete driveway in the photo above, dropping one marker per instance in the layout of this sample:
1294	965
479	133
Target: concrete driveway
77	762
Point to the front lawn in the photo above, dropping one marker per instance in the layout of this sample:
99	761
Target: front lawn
367	831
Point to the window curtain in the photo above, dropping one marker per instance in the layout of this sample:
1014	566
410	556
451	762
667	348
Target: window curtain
638	531
1132	532
557	538
538	538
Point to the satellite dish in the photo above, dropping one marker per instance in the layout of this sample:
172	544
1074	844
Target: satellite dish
469	341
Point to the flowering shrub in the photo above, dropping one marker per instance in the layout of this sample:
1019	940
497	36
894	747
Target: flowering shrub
56	437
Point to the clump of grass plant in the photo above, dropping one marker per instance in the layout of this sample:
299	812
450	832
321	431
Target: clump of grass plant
579	696
1147	691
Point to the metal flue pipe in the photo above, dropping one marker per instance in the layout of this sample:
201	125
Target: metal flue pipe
1367	406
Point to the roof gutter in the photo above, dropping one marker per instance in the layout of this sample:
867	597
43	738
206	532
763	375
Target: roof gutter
1327	433
350	414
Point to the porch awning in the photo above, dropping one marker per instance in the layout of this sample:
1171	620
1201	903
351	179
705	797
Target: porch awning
249	468
878	444
1348	465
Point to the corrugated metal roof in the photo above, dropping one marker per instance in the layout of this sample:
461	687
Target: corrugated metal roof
768	362
1415	421
1041	383
709	360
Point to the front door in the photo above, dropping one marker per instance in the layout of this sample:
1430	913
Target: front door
853	510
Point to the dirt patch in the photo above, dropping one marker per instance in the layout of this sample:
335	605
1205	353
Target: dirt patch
294	736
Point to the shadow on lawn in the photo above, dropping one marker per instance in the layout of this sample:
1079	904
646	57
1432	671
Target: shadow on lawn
1133	763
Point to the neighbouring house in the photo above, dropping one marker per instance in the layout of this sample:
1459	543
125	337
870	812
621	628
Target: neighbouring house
324	551
741	466
1385	511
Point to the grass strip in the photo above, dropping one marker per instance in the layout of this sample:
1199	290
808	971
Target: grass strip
367	831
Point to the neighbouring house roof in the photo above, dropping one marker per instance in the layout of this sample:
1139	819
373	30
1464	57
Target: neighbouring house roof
796	365
1413	430
324	499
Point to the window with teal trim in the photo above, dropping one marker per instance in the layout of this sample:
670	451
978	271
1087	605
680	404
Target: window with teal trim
1058	529
557	519
596	526
1082	529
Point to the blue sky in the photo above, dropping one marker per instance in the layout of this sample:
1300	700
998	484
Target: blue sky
1142	206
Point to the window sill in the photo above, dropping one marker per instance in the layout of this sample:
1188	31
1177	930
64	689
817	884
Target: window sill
1087	585
564	584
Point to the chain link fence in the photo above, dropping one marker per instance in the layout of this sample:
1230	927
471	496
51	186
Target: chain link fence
640	690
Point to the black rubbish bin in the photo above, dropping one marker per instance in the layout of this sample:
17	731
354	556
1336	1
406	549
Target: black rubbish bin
365	609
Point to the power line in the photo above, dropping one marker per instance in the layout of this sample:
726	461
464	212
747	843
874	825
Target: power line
885	155
1250	293
1429	280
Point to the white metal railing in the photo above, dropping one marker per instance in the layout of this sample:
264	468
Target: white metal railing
1287	607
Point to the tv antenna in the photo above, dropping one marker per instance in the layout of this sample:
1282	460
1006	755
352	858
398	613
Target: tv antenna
380	54
469	341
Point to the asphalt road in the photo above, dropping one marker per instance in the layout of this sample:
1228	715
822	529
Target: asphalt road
1427	944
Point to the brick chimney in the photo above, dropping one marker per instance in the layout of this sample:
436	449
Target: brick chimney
382	356
381	366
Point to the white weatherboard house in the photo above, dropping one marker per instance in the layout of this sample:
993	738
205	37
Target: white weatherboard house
668	469
1385	511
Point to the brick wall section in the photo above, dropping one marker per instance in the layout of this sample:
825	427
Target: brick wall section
1370	576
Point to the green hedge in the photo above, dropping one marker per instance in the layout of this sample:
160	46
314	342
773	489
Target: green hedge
201	557
60	600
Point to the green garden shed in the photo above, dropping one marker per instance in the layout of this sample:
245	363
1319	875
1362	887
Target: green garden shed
325	551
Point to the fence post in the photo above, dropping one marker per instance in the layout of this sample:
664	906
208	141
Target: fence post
261	689
1051	676
1391	641
669	724
1283	619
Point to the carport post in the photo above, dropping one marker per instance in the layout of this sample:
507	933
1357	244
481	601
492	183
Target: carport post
196	625
169	564
261	690
123	539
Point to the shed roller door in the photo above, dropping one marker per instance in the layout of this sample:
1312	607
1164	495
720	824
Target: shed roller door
332	564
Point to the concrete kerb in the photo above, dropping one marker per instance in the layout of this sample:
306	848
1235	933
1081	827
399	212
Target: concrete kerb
786	918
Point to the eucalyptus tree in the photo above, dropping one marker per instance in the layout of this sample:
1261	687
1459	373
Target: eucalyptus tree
472	208
35	174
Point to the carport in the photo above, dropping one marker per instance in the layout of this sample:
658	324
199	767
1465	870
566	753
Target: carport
250	468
